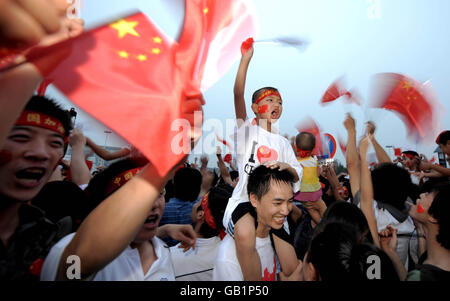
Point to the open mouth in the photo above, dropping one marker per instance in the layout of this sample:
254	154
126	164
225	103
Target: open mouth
151	219
31	174
274	114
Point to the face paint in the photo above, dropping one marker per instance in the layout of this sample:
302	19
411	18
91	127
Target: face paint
263	109
420	209
5	156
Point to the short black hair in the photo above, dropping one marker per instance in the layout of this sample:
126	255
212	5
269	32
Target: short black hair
410	152
47	106
234	174
443	137
337	254
217	202
187	184
260	91
97	189
306	141
391	184
260	179
440	210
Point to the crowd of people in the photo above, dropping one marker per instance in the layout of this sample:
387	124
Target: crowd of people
279	214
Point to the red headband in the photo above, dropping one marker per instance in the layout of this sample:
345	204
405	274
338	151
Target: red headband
121	179
303	153
209	219
267	93
41	120
409	156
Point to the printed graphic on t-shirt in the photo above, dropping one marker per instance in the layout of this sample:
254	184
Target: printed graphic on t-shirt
270	276
263	154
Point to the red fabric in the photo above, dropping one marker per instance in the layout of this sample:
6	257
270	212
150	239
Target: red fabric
120	180
246	45
267	93
224	142
397	152
137	82
42	88
409	99
342	145
227	158
335	91
41	120
309	125
303	153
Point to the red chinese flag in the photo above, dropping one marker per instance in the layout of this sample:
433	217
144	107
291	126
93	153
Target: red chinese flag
226	25
227	158
335	91
342	145
124	74
309	125
397	152
224	142
405	96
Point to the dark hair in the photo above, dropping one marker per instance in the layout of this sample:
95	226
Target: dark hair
391	184
443	137
49	107
63	198
349	214
260	179
336	254
306	141
440	210
260	91
187	184
234	174
409	152
217	203
97	189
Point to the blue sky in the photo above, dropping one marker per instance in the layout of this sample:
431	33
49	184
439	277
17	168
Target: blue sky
351	38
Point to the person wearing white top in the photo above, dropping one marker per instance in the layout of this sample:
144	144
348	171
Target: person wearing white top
197	264
271	196
117	240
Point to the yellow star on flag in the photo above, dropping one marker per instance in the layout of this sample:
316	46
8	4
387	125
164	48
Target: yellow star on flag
142	57
407	85
157	40
205	11
123	54
156	50
124	27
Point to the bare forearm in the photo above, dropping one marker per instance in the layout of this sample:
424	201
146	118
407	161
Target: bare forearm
440	169
78	167
367	199
16	88
239	89
111	227
353	164
381	154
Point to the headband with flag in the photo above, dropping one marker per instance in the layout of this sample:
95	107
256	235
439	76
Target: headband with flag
266	94
41	120
209	219
120	180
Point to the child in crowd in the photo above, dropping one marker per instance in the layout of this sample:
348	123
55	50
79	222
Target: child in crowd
310	189
257	143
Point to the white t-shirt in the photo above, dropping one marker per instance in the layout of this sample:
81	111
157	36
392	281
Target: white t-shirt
384	218
255	146
227	268
198	264
126	267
